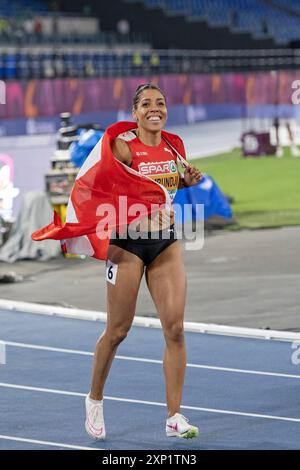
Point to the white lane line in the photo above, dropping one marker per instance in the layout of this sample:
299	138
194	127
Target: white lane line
148	322
46	443
217	368
47	348
2	353
151	361
152	403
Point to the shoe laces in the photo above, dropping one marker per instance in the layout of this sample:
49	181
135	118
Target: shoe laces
180	417
185	419
95	413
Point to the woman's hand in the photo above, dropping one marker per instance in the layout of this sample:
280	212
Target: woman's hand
192	176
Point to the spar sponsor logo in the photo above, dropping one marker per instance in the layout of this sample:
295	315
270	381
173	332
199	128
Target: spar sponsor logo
157	168
164	173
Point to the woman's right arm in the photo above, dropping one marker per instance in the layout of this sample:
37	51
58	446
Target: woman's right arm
122	151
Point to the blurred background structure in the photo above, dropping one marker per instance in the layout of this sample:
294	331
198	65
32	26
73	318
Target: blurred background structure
217	59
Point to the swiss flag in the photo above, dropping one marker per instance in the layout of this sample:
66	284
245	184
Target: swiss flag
104	182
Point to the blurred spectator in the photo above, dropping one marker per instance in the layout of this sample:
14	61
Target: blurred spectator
186	66
47	65
4	27
154	61
38	27
55	25
17	28
59	66
28	26
264	26
234	18
123	26
89	70
55	6
137	59
87	11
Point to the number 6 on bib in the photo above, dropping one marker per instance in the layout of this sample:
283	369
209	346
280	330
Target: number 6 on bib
111	272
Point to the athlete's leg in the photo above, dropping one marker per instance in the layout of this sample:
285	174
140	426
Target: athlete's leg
121	303
294	149
290	132
166	281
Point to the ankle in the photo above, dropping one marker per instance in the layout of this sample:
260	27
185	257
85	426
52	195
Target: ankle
95	397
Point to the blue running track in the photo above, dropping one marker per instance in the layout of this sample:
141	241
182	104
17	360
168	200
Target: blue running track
242	393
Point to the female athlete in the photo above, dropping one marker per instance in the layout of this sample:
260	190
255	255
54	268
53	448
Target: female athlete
144	150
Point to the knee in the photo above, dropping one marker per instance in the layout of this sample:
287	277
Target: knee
116	336
174	332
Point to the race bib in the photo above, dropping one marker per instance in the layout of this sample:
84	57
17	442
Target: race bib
111	272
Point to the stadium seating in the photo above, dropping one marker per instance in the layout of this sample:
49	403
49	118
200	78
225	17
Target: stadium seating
260	18
48	63
21	7
289	5
79	55
13	16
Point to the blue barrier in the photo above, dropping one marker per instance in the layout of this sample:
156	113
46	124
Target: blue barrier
207	193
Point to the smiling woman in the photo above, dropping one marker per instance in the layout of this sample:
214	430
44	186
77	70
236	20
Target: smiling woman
150	112
152	246
150	108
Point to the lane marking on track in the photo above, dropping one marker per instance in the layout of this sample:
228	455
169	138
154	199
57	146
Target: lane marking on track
46	443
152	403
152	361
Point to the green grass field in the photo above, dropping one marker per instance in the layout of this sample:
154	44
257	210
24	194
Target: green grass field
266	190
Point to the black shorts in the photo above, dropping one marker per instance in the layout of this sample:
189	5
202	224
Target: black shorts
148	246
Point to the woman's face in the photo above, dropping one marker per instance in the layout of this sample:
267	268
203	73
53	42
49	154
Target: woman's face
151	112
